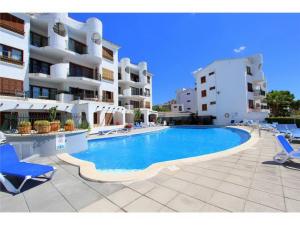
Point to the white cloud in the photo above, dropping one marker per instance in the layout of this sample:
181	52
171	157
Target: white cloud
240	49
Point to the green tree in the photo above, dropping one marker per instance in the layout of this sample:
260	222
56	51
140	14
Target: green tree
295	106
280	102
137	115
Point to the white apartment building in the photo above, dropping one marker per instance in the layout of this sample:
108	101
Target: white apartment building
51	60
232	89
135	90
186	100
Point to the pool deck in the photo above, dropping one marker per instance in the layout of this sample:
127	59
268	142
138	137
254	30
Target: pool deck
248	181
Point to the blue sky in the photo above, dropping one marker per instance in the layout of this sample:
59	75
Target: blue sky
174	45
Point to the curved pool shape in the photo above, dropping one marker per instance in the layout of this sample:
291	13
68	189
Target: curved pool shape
137	152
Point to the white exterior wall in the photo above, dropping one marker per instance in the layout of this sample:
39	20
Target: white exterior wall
231	92
12	39
187	98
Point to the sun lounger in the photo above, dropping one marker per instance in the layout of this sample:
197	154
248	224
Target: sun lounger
282	128
11	166
287	151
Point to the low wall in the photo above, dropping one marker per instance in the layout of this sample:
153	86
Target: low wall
47	144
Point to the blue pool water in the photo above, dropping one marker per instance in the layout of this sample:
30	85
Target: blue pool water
137	152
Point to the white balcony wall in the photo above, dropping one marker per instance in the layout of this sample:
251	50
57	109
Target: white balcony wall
59	70
143	72
94	27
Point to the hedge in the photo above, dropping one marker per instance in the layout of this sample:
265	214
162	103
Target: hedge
284	120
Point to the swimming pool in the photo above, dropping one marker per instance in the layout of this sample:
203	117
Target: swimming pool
137	152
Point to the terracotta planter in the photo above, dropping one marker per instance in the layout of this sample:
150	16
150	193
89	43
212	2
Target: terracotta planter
24	130
55	126
43	129
69	127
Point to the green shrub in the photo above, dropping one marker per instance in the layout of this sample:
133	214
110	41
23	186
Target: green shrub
24	123
41	123
85	125
52	114
69	122
284	120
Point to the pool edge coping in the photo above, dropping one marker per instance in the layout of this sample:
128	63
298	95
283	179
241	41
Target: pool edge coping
88	171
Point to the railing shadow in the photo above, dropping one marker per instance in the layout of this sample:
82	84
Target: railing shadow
289	164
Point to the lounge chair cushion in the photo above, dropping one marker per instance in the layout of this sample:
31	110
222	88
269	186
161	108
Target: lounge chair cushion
23	169
286	145
8	155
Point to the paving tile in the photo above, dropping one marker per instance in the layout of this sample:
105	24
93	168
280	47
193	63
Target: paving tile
142	186
78	194
13	203
227	202
292	205
161	194
292	183
267	187
268	178
143	204
46	198
187	176
105	188
159	178
199	192
291	193
124	197
241	173
211	208
176	184
184	203
267	199
102	205
233	189
208	182
166	210
254	207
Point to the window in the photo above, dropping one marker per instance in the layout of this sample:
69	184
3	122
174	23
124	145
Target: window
59	28
204	107
175	107
248	68
188	93
250	87
203	93
37	66
148	79
134	77
107	74
136	91
211	73
203	79
147	92
77	47
188	101
119	76
213	103
147	105
80	71
38	40
251	104
180	108
11	55
119	90
12	23
107	54
188	108
135	104
107	96
212	88
42	92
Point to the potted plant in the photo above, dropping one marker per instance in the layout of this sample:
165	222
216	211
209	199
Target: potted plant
69	125
128	126
55	124
42	126
24	127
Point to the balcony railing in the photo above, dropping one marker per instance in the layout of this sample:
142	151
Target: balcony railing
259	93
14	93
109	100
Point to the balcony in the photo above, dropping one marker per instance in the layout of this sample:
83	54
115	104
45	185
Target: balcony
11	93
11	60
77	47
38	40
129	107
108	100
259	94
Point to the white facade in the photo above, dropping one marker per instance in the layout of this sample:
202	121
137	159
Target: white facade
232	89
135	90
187	98
65	64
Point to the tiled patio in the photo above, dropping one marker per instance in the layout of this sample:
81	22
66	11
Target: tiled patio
248	181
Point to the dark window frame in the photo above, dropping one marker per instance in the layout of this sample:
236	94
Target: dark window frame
8	58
